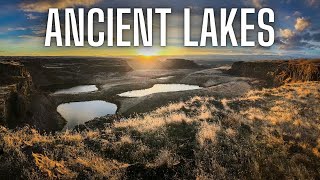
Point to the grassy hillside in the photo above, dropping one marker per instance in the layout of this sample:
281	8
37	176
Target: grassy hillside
272	133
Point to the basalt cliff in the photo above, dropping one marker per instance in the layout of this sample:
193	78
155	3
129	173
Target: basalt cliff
21	103
15	90
279	72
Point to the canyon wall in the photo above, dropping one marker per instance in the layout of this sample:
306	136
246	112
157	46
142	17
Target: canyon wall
279	72
15	89
21	103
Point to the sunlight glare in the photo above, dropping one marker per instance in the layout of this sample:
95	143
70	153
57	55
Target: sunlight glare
148	51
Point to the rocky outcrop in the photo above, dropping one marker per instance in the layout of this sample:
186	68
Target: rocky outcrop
15	90
21	103
279	72
59	71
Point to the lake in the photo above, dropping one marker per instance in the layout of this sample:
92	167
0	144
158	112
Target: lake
77	90
165	78
159	88
76	113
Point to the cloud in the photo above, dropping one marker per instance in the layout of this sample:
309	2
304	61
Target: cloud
313	3
31	16
255	3
286	33
17	29
297	13
302	24
38	30
30	37
44	5
298	40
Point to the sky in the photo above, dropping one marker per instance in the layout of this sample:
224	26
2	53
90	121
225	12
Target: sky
297	28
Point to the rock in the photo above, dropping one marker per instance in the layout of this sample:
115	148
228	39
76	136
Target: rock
61	72
21	103
15	89
278	72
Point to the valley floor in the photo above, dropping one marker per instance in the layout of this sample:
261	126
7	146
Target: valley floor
265	134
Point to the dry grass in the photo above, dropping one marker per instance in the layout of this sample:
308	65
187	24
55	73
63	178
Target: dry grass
51	168
207	133
267	134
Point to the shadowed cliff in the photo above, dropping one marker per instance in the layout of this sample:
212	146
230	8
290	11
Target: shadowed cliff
21	103
279	72
15	89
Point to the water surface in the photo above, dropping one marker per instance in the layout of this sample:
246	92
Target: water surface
165	78
77	90
159	88
76	113
52	67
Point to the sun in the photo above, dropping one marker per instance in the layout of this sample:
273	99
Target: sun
148	51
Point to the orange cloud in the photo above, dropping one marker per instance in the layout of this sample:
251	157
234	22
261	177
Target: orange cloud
257	3
44	5
301	24
286	33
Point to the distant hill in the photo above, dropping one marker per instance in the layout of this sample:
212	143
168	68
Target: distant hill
154	63
180	64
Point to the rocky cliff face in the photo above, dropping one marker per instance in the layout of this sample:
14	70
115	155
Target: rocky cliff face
279	72
26	82
21	103
15	90
53	71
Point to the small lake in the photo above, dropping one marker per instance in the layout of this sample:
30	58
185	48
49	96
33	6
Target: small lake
159	88
77	90
76	113
52	67
165	78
